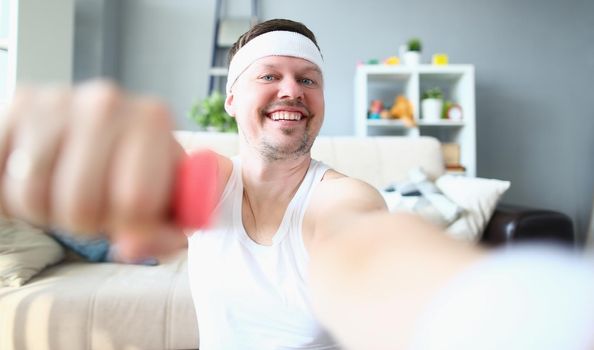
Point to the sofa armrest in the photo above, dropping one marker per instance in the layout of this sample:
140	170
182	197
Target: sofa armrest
512	224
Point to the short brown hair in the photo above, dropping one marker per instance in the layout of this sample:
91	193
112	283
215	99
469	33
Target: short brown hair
271	26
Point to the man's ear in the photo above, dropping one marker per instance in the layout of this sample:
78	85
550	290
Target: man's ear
229	106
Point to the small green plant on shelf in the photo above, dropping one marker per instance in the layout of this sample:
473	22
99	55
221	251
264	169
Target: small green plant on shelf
434	93
414	44
210	114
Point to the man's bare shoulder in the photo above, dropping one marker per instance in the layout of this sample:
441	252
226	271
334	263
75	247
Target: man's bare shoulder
336	200
337	189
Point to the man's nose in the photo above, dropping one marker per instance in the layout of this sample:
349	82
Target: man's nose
290	88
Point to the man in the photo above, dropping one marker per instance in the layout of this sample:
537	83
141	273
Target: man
290	233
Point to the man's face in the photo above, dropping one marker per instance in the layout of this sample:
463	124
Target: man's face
279	105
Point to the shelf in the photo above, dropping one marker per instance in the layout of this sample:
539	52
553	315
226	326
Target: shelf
386	123
399	124
453	123
421	69
457	69
425	71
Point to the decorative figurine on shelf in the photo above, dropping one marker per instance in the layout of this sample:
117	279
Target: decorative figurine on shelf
440	59
385	114
392	61
403	110
375	109
452	111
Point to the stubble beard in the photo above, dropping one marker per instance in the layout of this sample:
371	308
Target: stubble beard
273	152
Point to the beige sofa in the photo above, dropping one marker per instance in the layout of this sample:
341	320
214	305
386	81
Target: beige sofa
80	305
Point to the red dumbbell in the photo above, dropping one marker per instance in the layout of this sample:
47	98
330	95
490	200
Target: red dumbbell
195	193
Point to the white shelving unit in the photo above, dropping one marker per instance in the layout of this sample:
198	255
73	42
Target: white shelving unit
36	43
385	82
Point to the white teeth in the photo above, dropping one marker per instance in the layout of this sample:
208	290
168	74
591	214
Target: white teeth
285	116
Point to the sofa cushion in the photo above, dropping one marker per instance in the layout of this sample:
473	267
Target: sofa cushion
24	252
380	160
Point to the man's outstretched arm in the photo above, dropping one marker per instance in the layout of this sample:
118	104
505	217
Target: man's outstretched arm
387	281
373	273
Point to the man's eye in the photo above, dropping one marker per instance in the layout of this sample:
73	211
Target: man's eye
267	77
306	81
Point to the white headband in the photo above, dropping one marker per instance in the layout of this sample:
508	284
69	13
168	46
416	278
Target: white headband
277	43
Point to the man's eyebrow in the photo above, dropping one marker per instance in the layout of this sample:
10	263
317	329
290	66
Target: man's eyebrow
311	67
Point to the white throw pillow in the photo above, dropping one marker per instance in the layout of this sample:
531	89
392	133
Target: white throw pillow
478	197
24	252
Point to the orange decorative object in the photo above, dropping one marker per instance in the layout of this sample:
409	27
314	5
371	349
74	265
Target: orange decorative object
403	109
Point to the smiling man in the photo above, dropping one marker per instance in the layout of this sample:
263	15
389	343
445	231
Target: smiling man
258	298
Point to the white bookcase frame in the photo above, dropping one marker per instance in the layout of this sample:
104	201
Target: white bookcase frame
385	82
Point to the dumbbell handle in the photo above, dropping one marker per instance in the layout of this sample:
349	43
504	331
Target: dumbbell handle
195	192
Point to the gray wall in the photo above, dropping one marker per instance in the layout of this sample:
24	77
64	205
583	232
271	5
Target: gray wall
533	58
96	39
165	50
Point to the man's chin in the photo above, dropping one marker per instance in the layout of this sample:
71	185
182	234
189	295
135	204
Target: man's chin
285	150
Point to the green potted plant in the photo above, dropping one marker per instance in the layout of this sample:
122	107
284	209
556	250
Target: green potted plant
432	104
210	114
412	55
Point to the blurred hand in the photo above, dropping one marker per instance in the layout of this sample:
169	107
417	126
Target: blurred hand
160	243
87	159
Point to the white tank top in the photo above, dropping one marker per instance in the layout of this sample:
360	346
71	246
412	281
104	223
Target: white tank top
251	296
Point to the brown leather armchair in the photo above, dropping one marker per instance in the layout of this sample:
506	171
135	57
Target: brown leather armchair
510	224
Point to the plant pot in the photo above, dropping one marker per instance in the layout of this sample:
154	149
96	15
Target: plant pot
431	109
412	58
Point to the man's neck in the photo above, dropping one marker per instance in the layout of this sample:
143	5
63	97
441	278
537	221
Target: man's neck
269	187
264	178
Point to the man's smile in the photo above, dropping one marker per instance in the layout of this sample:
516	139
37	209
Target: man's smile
285	115
289	111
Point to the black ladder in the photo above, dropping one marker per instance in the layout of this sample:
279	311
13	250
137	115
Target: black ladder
226	31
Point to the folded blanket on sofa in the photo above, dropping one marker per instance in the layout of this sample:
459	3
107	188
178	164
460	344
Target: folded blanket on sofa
460	205
95	249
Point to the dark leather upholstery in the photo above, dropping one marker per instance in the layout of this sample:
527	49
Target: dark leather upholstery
513	224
